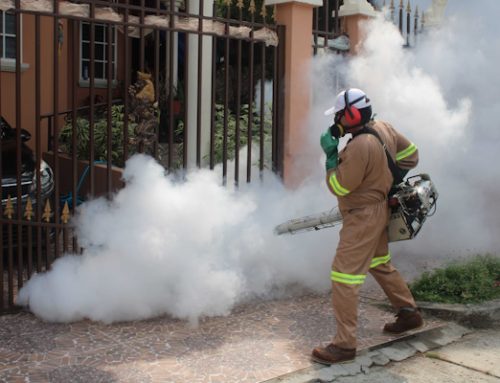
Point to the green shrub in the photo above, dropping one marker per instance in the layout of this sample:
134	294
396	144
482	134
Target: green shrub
100	136
472	281
243	131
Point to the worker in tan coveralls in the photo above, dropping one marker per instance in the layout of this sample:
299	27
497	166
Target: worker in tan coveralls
360	177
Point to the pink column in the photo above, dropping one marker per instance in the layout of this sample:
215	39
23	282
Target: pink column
353	13
297	16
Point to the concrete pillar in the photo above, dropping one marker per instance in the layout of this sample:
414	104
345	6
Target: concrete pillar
297	17
353	12
206	88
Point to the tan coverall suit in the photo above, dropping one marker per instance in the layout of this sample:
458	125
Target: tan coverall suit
361	182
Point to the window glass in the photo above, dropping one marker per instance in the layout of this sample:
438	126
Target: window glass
85	50
99	33
85	70
10	24
100	51
99	72
10	47
7	35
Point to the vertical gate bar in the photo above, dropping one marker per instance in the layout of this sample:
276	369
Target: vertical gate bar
75	74
18	166
109	130
336	21
250	100
30	228
48	257
141	38
2	283
2	226
415	26
280	65
408	24
10	266
238	112
170	88
91	100
274	129
157	81
38	142
74	87
126	58
326	23
401	17
200	82
19	204
212	119
226	98
57	174
262	109
185	117
29	270
315	29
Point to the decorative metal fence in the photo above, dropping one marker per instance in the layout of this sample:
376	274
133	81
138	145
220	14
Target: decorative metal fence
86	84
409	21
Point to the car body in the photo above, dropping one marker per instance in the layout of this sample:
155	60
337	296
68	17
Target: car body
29	187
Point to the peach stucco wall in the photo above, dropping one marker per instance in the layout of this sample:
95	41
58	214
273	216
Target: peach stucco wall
65	77
298	54
352	26
28	78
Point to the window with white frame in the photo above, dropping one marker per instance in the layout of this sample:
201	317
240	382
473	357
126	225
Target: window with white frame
101	58
8	35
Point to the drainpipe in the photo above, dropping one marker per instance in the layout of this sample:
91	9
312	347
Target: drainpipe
297	17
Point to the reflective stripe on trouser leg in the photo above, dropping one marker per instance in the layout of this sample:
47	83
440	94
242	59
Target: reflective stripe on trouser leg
376	261
348	279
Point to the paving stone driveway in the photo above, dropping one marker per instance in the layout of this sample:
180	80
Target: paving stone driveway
255	343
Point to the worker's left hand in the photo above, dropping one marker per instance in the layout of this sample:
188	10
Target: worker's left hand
330	147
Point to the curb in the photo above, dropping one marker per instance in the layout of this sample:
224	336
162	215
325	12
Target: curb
481	315
377	356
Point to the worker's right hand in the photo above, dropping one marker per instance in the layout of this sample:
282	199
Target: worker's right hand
329	145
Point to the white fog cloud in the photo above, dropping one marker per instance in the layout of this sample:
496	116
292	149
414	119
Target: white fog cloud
193	248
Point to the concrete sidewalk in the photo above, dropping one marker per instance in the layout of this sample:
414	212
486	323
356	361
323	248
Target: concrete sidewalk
450	354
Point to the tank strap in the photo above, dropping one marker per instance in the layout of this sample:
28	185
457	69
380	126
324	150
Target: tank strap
395	170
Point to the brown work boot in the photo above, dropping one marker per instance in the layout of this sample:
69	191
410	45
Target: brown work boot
332	354
408	318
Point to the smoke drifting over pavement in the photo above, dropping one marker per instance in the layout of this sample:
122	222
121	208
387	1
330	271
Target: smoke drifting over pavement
194	248
189	249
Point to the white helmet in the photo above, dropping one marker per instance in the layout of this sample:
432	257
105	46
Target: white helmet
351	97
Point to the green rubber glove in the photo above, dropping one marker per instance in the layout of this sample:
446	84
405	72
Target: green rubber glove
329	145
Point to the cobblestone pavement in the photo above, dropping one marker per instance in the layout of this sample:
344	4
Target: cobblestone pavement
255	343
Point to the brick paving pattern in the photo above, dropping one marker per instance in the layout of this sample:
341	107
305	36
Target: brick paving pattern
255	343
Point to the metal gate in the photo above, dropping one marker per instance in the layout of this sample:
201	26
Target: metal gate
87	84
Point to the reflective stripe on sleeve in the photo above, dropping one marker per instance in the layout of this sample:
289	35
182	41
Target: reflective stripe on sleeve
348	279
406	152
336	186
380	260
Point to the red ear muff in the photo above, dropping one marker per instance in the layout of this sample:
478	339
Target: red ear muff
353	116
351	113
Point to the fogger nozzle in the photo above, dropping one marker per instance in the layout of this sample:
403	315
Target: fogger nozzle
310	222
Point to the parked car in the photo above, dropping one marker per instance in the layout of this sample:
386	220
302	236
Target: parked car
28	185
